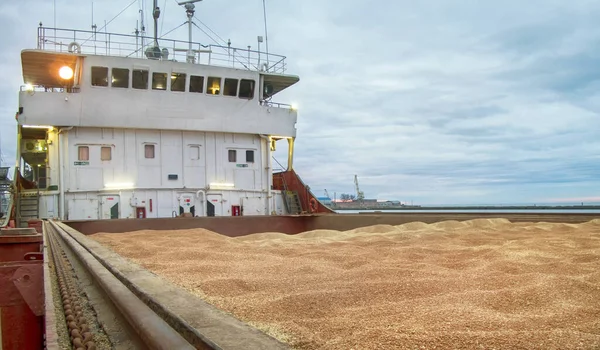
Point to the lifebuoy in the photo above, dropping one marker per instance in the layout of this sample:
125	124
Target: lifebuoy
74	47
314	205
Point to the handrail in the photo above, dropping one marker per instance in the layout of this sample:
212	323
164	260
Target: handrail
127	45
11	202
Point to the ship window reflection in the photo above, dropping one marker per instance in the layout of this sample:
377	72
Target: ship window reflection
249	156
140	79
213	86
230	87
159	81
177	82
149	151
105	153
246	89
83	153
120	78
99	76
232	156
196	83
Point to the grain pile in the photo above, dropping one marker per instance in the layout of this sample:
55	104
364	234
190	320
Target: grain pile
475	284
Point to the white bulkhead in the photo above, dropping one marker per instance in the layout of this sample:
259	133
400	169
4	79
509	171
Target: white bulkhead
140	138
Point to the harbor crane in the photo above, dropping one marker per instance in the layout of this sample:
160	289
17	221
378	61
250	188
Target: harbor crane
327	194
360	196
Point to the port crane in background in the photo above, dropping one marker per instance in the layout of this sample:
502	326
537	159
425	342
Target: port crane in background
360	196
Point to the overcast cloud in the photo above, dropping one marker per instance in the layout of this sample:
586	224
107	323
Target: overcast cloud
438	102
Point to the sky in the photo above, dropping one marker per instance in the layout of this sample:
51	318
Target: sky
429	102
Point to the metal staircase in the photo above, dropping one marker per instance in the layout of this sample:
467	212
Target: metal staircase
28	207
292	202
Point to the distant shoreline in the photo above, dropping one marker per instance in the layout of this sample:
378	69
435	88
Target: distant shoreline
513	207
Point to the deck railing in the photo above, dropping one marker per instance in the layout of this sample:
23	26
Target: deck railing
124	45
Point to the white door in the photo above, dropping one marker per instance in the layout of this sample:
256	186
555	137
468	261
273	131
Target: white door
214	205
109	207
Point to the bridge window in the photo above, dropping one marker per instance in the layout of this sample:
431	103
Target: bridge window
232	154
83	153
159	81
230	87
177	82
249	156
99	76
214	86
149	151
120	78
246	89
196	83
105	153
140	79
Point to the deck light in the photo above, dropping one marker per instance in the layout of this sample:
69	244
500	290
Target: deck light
38	127
65	72
295	106
214	185
28	87
121	186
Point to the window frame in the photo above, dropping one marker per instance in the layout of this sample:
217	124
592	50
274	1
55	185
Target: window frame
147	147
208	84
79	154
166	81
225	81
92	76
252	89
179	76
102	148
229	153
133	80
193	77
112	77
250	151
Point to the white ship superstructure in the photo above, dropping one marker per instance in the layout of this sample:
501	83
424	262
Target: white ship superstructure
109	128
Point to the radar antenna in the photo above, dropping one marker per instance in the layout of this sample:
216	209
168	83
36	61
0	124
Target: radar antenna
189	11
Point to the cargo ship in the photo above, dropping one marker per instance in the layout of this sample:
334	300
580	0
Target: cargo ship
120	126
121	133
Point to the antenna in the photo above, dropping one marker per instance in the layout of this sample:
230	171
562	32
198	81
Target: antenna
266	36
189	11
154	52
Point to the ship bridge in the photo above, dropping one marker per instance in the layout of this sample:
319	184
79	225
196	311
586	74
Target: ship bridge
94	79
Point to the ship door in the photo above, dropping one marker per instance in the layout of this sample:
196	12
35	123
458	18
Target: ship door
214	205
109	207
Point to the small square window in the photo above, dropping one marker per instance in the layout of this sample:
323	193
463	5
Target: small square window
177	82
159	81
194	152
139	79
149	151
83	153
232	156
246	89
105	153
196	83
230	87
120	78
99	76
249	156
213	86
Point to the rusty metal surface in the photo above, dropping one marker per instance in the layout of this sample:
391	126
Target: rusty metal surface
230	226
154	331
21	328
202	324
245	225
28	280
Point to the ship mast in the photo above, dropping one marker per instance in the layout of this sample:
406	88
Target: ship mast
189	11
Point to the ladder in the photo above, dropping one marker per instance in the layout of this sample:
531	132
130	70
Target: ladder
28	207
292	202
